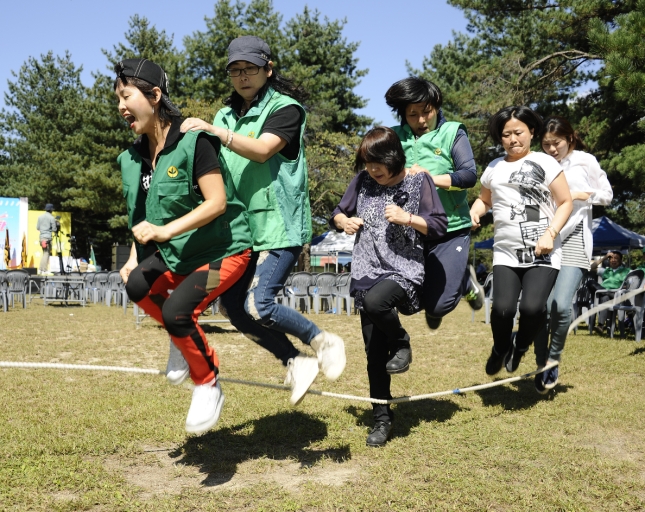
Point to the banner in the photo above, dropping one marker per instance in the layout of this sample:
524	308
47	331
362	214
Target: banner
60	244
13	228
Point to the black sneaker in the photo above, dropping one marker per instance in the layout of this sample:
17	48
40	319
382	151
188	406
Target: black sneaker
475	295
379	434
495	362
551	377
433	323
400	361
539	384
513	357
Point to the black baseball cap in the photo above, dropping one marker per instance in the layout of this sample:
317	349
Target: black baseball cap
49	207
249	48
150	72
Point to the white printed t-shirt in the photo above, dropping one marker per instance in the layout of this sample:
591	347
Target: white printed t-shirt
522	209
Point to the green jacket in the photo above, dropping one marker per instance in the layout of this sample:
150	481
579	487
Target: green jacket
612	279
276	192
171	196
432	152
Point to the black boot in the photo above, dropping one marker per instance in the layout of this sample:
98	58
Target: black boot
400	361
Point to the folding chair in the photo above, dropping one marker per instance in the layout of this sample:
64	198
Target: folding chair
299	290
633	281
323	289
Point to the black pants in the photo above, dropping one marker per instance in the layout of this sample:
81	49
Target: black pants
383	334
535	283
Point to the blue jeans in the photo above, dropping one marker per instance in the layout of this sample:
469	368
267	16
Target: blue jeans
251	308
558	308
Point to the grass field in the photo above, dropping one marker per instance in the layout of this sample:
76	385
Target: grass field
99	441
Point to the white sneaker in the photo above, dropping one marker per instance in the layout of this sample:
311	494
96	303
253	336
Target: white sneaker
177	368
330	350
301	373
205	408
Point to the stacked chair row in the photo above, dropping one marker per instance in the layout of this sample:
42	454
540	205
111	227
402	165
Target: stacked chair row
304	290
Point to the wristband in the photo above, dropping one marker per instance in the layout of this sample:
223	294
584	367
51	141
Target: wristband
410	221
553	231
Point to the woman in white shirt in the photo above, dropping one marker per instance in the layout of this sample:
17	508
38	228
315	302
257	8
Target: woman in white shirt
531	202
589	185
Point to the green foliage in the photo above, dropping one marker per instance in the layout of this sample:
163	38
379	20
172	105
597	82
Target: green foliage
624	53
206	52
318	58
540	53
59	140
330	159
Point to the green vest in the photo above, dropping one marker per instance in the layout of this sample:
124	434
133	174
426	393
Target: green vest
276	192
432	152
612	279
171	196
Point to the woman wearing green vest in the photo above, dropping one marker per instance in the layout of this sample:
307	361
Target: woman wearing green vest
191	232
262	130
440	148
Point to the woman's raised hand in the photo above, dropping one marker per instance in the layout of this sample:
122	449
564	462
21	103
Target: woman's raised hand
352	225
396	215
194	123
416	169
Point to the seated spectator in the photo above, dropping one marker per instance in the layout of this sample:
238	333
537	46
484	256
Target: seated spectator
612	278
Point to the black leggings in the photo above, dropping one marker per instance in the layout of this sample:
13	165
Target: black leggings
383	334
535	283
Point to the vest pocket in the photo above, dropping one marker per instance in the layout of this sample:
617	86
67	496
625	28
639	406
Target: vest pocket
261	201
174	199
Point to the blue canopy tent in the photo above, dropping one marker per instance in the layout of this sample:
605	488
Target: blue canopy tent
606	235
609	235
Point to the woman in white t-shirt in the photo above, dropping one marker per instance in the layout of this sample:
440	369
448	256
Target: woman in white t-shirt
589	185
531	203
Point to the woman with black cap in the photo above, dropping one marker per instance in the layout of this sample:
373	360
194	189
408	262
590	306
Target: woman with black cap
191	232
261	129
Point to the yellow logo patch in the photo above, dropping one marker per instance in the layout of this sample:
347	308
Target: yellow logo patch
251	134
172	171
437	151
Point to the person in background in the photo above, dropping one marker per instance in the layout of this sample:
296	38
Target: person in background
531	203
262	129
391	213
47	226
588	185
612	277
434	145
191	233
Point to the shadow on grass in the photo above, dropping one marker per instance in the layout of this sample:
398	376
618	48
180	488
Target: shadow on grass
283	436
637	351
518	395
409	415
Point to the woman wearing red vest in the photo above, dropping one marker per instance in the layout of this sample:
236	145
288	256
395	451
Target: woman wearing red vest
191	233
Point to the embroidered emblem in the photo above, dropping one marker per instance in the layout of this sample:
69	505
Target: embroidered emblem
251	134
172	171
459	248
437	151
